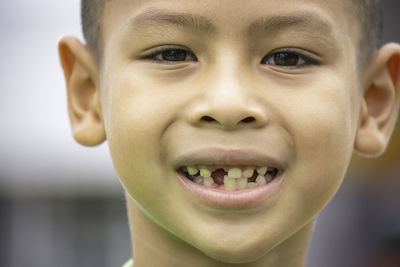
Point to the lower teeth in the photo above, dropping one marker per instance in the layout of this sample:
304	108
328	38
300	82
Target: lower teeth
242	183
208	181
251	185
198	180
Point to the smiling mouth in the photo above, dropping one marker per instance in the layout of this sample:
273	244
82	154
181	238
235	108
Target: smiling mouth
230	178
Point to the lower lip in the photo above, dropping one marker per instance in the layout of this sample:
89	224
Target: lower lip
238	199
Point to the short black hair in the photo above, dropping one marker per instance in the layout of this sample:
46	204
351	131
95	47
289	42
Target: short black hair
369	13
370	16
91	18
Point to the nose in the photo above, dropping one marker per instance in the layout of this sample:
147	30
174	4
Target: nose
228	103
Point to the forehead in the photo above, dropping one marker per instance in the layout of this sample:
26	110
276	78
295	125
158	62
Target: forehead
340	12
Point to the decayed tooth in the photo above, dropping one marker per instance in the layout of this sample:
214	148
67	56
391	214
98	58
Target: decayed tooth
261	180
269	177
242	183
208	181
262	170
230	183
251	185
248	172
206	173
235	173
198	180
192	170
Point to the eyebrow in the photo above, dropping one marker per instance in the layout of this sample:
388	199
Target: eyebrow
261	26
308	20
186	20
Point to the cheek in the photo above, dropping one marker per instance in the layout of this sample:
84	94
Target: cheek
139	116
135	121
323	133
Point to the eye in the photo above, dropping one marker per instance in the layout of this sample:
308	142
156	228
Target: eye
172	55
287	59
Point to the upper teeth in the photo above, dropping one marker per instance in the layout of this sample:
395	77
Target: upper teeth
248	172
262	170
235	173
192	170
236	177
206	173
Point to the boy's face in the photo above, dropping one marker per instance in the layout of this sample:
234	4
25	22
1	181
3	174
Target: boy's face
239	84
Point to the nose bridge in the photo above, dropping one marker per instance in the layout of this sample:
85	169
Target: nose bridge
226	88
229	101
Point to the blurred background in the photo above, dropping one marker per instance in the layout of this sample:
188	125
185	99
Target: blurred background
62	205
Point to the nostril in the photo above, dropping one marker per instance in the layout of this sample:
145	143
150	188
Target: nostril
207	119
248	119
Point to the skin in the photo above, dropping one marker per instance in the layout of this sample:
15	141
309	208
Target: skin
311	117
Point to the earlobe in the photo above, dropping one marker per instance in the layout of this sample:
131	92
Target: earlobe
380	104
81	77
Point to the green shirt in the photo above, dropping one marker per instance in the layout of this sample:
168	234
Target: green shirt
128	263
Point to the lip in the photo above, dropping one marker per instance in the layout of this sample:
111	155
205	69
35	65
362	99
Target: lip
223	199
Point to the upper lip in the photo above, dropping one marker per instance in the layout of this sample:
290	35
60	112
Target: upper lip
227	157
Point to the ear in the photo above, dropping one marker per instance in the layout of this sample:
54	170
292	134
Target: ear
82	80
380	104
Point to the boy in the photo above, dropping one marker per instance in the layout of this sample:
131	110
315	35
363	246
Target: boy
230	123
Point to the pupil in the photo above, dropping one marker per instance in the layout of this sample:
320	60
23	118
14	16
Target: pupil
174	55
286	59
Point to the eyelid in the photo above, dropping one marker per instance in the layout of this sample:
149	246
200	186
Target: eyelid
147	54
311	59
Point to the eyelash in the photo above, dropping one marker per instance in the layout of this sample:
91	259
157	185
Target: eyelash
160	54
181	54
300	60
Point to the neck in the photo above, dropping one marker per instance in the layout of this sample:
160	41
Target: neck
155	246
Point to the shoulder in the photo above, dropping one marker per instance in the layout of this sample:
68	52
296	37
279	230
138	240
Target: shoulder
128	263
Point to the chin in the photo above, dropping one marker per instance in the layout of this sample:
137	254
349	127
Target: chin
237	257
237	252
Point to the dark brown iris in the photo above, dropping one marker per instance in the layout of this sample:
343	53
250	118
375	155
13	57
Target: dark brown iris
286	59
174	55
